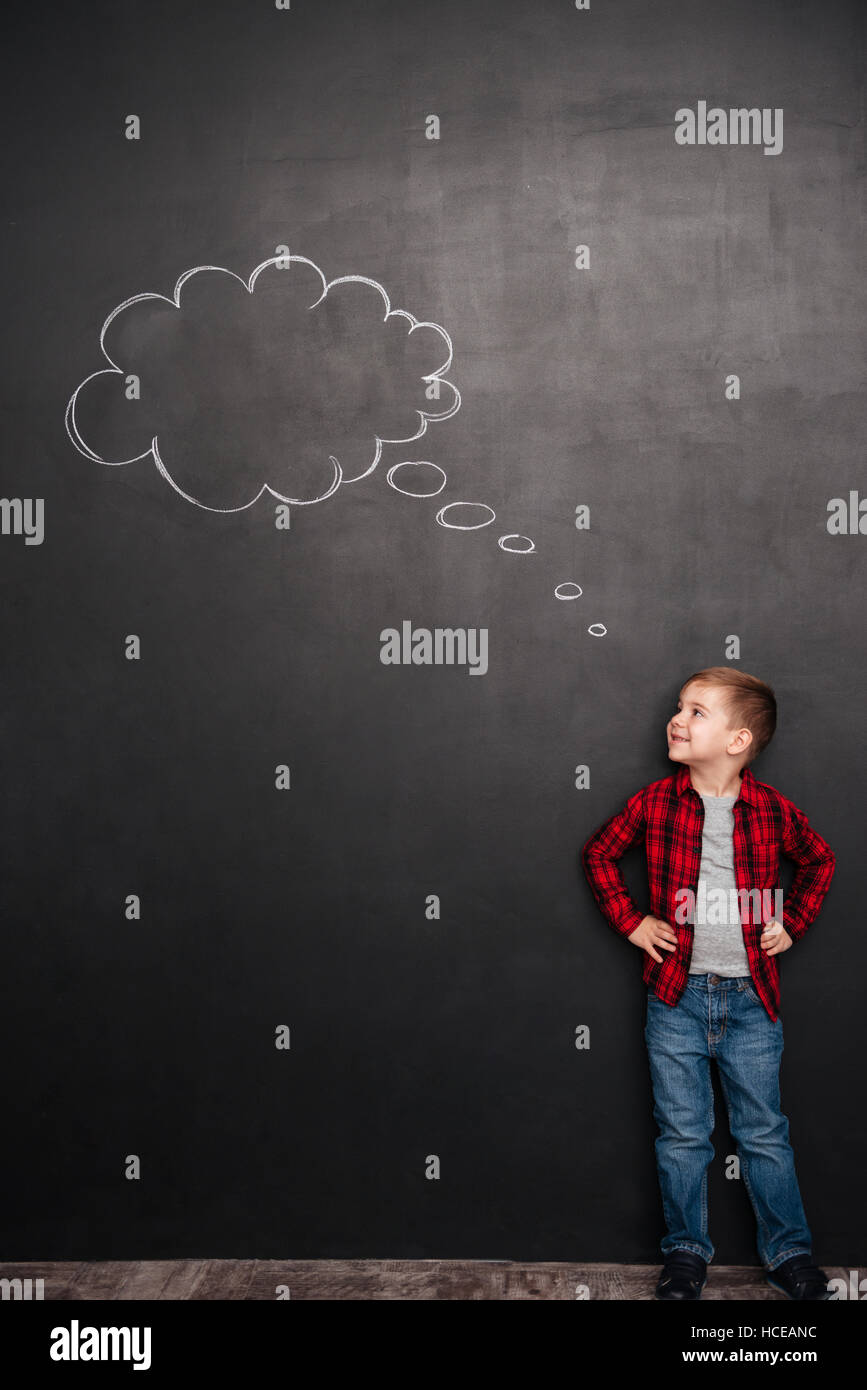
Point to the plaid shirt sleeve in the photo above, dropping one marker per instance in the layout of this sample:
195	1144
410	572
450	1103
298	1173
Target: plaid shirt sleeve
599	855
815	862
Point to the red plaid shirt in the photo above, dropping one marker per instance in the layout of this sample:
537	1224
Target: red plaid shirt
668	817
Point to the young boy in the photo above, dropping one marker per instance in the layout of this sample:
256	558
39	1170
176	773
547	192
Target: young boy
714	991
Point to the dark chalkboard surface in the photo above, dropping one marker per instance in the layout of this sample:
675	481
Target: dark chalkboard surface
338	332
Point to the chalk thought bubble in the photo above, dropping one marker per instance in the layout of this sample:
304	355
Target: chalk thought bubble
285	383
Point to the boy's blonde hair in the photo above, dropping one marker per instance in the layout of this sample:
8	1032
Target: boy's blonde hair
749	702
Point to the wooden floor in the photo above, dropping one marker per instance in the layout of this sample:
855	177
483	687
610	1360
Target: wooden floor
367	1279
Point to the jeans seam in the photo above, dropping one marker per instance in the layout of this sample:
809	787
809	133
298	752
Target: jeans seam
710	1125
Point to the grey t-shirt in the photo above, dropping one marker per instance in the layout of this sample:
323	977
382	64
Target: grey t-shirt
718	944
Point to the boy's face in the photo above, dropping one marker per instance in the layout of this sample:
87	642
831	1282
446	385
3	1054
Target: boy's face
698	731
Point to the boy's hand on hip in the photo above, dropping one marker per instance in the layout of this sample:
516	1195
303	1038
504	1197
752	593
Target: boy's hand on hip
652	932
775	938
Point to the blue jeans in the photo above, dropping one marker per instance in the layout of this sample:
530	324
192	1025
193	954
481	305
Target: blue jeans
722	1017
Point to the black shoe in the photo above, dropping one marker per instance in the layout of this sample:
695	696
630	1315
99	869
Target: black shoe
800	1279
683	1276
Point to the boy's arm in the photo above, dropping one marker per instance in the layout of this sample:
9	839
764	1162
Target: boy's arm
815	860
599	855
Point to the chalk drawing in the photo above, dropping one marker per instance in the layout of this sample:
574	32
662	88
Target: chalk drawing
415	463
340	476
396	476
456	526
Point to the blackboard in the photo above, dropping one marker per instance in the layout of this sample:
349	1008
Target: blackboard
224	814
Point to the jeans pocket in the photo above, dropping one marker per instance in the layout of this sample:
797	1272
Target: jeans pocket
751	993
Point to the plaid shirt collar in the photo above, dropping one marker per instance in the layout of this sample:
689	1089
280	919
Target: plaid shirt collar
748	791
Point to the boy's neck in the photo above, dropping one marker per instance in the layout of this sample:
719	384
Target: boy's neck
715	781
